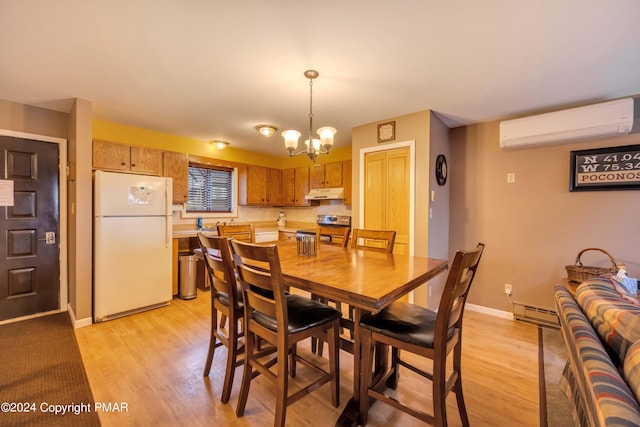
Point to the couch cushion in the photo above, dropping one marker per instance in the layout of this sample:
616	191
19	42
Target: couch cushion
613	313
632	368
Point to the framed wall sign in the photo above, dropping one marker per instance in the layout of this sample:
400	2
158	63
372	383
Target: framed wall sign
387	131
612	168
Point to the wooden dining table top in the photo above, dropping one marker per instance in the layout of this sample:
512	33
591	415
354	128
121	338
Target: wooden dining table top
365	279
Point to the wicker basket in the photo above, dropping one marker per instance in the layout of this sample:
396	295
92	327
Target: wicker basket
579	273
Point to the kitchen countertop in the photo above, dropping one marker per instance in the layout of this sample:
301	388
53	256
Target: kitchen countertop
185	231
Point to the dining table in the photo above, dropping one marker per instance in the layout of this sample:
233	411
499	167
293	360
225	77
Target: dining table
368	281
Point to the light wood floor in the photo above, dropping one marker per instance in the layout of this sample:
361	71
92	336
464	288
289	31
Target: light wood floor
153	362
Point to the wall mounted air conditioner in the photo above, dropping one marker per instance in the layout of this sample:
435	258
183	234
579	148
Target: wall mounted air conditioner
598	121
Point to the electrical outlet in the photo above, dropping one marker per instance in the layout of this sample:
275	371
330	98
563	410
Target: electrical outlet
508	288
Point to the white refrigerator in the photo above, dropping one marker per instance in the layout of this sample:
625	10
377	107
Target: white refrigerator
132	244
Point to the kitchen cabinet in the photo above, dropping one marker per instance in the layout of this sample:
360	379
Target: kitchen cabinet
325	176
295	185
111	156
288	187
302	186
274	187
176	166
259	186
286	235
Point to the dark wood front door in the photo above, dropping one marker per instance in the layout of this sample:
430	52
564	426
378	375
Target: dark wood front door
29	230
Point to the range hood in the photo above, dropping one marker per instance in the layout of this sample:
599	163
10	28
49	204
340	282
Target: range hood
325	194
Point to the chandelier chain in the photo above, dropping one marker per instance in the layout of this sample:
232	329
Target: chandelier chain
310	147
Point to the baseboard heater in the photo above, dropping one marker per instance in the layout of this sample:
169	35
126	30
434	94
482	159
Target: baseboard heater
536	315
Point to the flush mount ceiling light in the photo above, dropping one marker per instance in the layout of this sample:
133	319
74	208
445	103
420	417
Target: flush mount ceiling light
267	130
315	146
220	145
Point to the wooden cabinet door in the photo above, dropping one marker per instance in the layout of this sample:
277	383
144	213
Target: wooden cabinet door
176	166
333	175
111	156
256	185
316	176
274	187
146	160
302	186
288	187
325	176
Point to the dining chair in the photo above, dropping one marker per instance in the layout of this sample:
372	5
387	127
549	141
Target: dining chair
242	232
338	236
226	298
430	334
368	240
373	240
281	320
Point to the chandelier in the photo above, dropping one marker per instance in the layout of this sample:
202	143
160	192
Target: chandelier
315	146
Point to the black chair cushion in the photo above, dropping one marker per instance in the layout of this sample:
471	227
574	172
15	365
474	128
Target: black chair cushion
223	297
304	313
405	322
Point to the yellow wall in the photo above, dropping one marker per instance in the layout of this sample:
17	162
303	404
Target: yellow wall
115	132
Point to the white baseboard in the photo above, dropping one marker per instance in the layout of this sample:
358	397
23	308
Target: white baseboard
75	322
490	311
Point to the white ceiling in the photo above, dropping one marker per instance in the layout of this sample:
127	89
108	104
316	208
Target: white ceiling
213	69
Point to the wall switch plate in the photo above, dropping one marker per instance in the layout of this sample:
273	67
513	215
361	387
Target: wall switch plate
511	177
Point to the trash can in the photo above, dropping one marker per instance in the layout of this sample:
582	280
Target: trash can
188	273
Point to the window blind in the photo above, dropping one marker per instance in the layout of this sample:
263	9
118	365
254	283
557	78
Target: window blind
210	189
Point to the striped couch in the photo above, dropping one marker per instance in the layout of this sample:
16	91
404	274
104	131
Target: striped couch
601	330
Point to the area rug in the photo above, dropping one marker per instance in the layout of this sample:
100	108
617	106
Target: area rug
555	408
42	377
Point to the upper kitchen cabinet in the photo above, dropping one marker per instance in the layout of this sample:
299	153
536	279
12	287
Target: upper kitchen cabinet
274	187
288	187
124	158
259	186
326	176
295	185
176	166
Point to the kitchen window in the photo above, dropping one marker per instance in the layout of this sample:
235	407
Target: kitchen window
210	189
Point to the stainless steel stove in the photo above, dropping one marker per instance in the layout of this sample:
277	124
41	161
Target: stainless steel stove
340	221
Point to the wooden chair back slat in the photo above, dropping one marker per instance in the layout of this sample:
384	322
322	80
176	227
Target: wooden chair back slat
339	235
241	232
373	240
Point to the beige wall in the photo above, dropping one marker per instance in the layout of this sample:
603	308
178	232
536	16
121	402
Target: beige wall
438	244
420	127
534	227
409	127
80	211
27	119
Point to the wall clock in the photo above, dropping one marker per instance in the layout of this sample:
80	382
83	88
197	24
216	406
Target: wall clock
441	169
